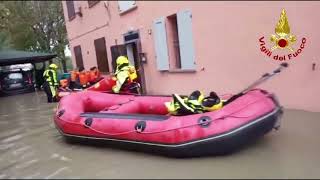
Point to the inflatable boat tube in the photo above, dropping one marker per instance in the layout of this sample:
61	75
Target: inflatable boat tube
142	123
103	85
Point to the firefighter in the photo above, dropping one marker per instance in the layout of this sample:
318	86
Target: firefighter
74	78
194	104
51	83
125	73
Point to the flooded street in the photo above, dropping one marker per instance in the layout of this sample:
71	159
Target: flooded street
31	147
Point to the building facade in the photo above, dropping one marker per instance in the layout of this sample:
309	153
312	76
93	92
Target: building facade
180	46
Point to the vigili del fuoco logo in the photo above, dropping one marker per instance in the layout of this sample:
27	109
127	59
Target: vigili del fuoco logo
282	40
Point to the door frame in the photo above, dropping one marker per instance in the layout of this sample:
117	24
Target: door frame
116	51
138	62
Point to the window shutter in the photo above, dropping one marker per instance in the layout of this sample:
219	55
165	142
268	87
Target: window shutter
78	56
71	10
184	20
125	5
92	3
160	41
101	54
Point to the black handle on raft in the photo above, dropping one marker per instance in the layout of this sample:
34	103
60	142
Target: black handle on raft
61	112
140	126
204	121
88	122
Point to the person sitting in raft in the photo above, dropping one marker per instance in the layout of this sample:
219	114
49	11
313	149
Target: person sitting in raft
64	85
194	104
125	73
83	78
74	79
94	75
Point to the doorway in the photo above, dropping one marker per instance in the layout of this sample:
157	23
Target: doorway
116	51
132	49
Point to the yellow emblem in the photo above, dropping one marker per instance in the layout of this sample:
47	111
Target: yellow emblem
283	38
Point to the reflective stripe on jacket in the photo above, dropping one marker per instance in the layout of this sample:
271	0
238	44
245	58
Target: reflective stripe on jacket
50	76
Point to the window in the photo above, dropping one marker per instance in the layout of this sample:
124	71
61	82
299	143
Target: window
92	3
174	41
78	56
15	76
125	6
101	54
71	10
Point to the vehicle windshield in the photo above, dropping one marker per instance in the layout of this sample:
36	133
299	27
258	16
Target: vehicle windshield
15	76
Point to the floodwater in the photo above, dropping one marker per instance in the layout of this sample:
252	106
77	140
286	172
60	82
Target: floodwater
31	147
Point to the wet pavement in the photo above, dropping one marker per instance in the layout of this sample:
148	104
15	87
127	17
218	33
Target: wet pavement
31	147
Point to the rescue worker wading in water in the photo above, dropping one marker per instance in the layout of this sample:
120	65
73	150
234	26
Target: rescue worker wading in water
194	104
51	84
125	73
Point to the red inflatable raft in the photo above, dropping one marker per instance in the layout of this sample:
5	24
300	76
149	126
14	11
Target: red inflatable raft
142	122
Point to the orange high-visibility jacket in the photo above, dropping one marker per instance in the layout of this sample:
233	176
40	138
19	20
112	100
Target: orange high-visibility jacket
88	76
94	75
74	75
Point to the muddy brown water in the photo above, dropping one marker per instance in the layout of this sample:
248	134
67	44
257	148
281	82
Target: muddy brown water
31	147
